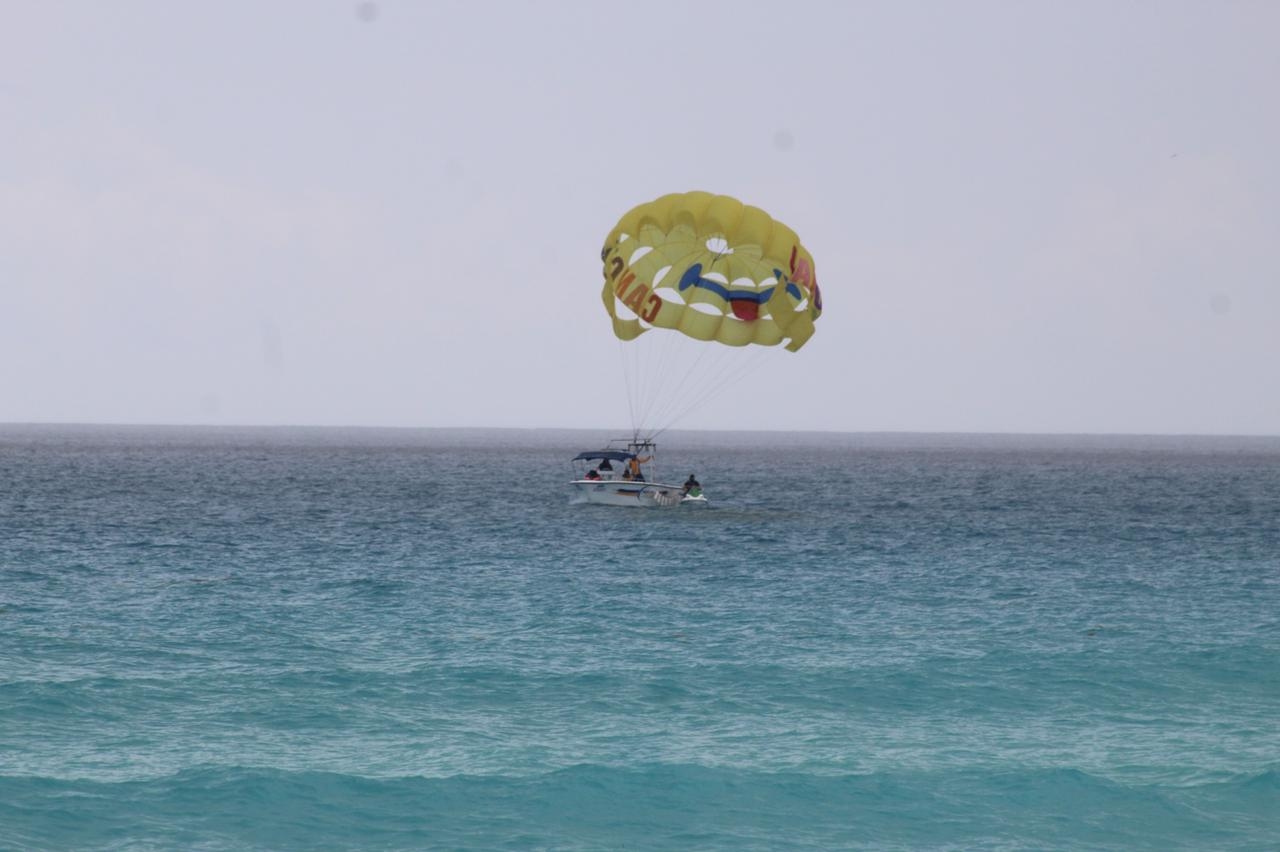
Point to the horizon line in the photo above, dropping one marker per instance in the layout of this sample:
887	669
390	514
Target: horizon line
807	431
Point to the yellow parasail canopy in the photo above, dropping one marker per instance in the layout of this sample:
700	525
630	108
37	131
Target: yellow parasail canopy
712	268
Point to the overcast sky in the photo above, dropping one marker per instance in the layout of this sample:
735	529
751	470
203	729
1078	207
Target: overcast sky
1042	217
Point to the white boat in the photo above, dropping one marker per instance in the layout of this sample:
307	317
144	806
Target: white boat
602	476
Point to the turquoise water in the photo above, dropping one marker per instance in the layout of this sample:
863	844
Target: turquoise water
274	639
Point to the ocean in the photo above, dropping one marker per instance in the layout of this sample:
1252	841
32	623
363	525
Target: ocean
279	638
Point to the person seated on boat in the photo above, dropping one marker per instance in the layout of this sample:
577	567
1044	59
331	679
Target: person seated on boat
606	469
692	486
626	474
593	474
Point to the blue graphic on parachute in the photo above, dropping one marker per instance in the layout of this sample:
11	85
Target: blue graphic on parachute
745	303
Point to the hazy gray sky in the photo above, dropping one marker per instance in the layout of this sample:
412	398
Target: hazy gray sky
1025	216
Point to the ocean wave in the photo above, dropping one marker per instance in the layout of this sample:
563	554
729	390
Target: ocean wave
655	806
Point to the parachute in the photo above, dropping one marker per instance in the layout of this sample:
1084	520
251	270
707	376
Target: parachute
702	270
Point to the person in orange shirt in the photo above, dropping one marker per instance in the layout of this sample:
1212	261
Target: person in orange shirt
633	467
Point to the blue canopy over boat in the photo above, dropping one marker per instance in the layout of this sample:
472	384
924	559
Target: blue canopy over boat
612	455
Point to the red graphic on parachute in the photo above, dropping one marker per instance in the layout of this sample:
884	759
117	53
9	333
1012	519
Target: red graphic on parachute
802	274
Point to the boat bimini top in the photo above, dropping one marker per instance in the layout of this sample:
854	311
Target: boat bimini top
611	455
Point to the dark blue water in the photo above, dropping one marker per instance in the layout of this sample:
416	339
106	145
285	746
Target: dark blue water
272	639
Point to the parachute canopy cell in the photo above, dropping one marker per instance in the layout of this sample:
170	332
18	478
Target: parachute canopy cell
711	268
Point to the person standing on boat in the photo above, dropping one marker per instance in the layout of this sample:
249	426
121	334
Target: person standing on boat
633	466
606	469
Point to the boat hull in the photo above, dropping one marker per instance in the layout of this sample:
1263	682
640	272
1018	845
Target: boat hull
618	492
